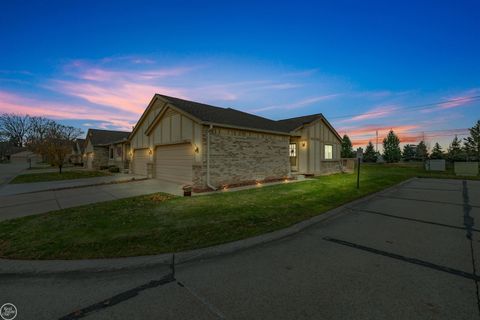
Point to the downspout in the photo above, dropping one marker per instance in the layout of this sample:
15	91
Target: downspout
208	159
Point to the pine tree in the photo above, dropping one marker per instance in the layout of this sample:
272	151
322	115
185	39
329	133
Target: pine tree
422	152
455	152
347	149
408	152
391	148
472	143
370	155
437	152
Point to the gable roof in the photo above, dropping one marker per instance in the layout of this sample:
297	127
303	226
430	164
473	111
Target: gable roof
208	114
100	137
226	116
291	124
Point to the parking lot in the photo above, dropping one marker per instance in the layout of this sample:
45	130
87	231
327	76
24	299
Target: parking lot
409	253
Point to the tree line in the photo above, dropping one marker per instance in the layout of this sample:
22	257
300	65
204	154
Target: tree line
52	140
466	149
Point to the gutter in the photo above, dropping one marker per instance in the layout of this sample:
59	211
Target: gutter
208	159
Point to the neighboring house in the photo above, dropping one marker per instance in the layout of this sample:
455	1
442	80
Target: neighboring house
76	157
25	157
193	143
105	148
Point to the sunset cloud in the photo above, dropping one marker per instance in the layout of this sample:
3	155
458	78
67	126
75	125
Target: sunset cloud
375	113
16	103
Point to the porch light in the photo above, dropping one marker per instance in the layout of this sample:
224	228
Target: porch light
304	144
150	151
195	148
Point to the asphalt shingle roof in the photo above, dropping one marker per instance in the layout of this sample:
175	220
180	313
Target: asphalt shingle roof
233	117
227	116
293	123
103	137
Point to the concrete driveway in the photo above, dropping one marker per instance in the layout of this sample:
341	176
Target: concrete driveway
9	170
19	205
412	253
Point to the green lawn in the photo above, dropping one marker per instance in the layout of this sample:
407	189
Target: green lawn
54	176
159	223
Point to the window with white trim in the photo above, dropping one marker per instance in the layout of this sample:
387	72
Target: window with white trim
328	152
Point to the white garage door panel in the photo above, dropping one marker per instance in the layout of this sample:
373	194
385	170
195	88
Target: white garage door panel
140	160
174	163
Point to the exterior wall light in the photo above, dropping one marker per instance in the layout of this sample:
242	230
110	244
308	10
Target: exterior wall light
304	144
150	151
195	149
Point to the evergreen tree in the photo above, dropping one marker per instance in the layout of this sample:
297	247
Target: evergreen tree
391	148
422	152
408	152
455	152
347	149
370	155
437	152
472	143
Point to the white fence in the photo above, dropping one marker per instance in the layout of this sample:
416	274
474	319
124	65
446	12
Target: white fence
435	165
466	168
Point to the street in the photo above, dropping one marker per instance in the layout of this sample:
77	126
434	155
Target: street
412	253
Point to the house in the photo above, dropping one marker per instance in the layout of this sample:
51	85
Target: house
193	143
76	156
25	157
106	148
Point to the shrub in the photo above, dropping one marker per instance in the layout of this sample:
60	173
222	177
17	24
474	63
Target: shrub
114	169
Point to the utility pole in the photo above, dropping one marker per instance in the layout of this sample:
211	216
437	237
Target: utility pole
376	145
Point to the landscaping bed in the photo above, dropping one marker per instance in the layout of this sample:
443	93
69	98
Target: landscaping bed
56	176
160	223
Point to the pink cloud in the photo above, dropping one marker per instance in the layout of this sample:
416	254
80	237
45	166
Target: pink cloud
122	95
375	113
14	103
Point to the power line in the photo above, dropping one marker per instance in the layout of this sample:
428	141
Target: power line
411	108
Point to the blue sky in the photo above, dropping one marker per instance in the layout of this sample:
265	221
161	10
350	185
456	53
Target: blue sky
94	64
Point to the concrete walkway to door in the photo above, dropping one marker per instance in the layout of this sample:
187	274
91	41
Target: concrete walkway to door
14	206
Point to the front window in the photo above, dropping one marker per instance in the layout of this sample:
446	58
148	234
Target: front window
119	151
328	152
111	153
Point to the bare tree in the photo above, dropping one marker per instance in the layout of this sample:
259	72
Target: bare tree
57	143
39	127
14	128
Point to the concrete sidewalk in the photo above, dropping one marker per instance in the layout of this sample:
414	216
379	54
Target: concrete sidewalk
15	206
20	188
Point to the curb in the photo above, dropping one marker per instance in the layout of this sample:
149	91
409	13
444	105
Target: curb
38	267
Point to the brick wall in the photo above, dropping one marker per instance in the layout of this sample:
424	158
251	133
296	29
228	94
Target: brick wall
100	157
238	156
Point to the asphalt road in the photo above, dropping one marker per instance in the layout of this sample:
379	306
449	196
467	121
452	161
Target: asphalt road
410	254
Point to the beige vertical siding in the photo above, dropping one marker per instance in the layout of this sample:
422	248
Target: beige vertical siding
315	136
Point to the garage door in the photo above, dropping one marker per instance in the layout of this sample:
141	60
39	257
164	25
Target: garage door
174	163
90	160
140	160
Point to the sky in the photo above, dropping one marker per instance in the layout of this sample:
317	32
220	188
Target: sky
368	66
